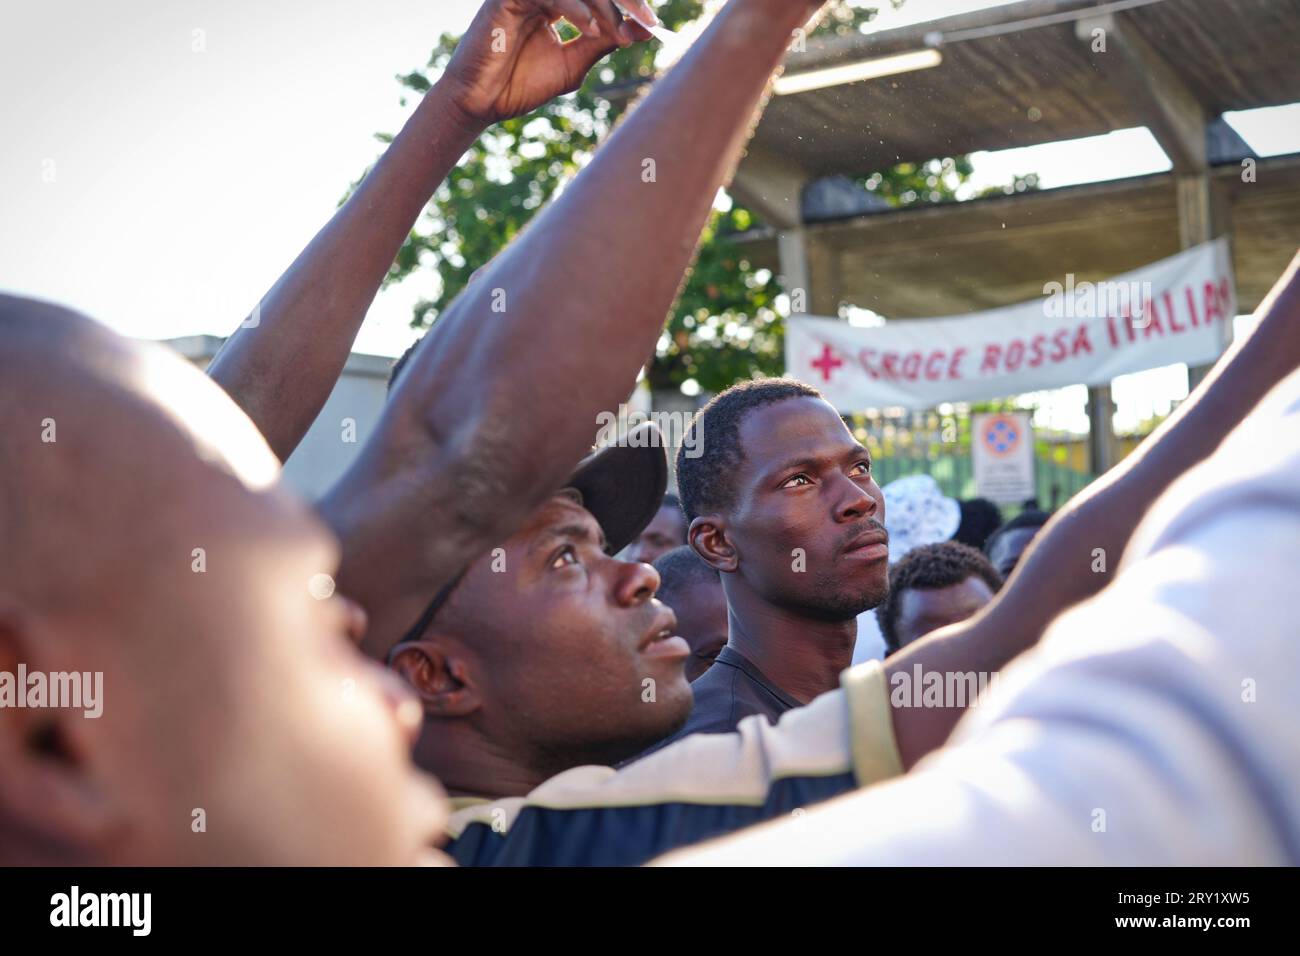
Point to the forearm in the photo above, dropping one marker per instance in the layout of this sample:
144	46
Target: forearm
557	327
1078	550
282	364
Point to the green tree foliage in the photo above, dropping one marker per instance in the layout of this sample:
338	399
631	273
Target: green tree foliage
934	181
728	322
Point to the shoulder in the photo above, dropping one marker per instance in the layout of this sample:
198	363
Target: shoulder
716	694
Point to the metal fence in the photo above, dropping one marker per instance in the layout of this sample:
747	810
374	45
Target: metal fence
938	444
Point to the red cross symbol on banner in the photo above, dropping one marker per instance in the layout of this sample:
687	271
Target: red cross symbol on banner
827	362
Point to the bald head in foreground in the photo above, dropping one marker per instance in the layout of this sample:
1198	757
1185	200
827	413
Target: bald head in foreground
146	539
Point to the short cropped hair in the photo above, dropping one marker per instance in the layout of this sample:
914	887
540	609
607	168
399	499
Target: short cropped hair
680	569
1029	518
979	519
928	568
704	481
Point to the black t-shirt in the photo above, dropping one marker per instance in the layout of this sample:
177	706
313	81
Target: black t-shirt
728	692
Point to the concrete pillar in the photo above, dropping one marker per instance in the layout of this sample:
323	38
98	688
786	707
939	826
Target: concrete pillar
796	272
1101	431
827	282
1202	215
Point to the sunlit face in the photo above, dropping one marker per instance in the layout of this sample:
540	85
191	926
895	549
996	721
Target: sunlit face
665	532
921	611
240	723
808	524
577	662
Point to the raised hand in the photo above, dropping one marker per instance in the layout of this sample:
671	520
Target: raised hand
282	368
512	60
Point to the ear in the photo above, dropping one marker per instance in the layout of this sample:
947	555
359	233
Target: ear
708	537
52	808
440	678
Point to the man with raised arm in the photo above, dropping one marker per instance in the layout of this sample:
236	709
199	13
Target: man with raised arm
501	399
282	363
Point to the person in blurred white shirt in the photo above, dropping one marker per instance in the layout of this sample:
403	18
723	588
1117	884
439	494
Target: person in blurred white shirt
1155	724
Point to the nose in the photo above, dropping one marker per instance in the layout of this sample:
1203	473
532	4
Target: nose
636	583
355	619
854	500
401	701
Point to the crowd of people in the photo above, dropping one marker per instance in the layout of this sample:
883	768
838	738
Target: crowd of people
492	644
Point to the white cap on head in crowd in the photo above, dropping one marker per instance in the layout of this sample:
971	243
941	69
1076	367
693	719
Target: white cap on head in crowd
917	512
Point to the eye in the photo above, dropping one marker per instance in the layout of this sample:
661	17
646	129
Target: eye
862	468
566	555
796	481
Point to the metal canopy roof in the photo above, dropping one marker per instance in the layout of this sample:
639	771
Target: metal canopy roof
961	257
1035	85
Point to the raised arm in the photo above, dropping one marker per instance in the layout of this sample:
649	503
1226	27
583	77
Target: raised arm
1061	567
501	398
281	364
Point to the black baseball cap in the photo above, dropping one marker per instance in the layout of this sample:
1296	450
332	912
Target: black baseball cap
622	485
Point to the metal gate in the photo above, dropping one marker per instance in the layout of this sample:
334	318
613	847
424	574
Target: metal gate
937	443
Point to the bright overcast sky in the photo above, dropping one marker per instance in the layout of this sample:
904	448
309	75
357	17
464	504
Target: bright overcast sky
165	160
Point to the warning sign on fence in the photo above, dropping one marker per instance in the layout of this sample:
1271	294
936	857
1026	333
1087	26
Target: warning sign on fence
1002	456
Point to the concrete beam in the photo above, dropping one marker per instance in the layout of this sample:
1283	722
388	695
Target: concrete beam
1173	113
771	187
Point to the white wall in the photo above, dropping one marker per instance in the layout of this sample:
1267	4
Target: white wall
330	445
324	455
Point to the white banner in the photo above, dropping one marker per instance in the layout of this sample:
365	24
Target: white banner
1174	310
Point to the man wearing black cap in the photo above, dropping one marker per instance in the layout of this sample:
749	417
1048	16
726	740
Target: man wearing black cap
548	652
505	392
548	659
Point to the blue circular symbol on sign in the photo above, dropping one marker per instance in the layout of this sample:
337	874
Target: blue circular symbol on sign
1001	435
